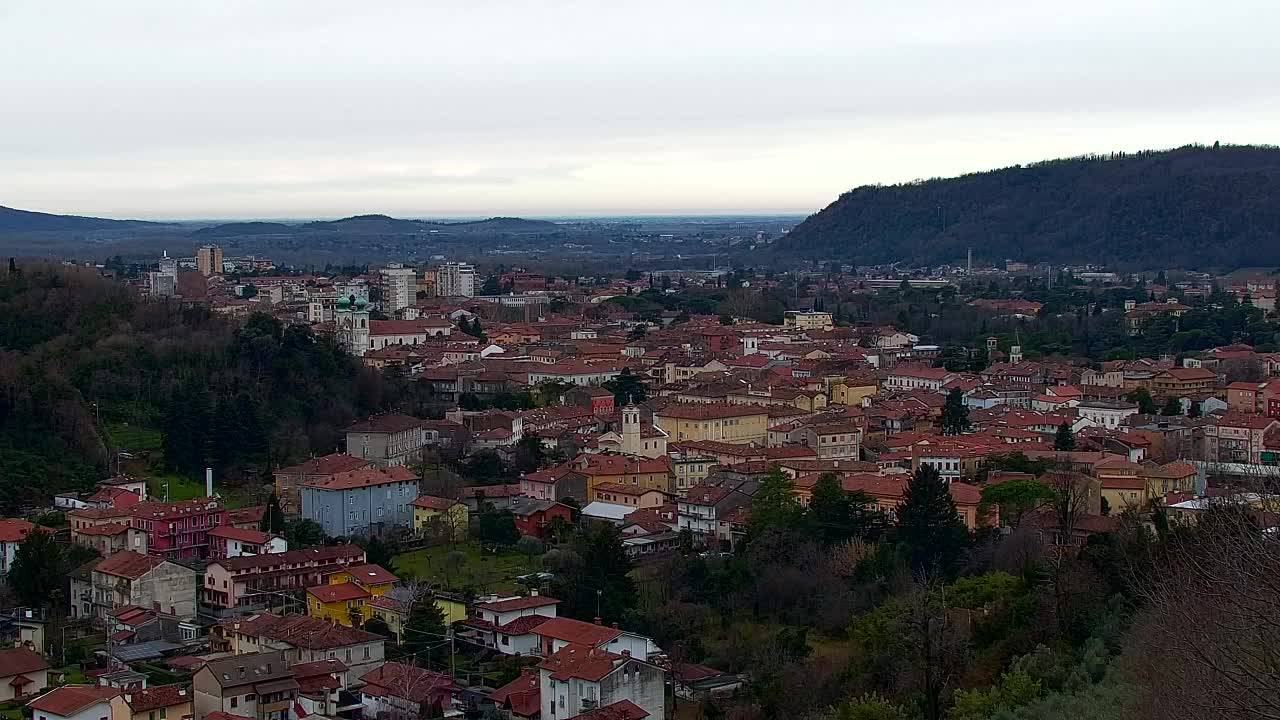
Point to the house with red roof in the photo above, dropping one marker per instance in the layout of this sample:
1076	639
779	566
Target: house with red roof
12	532
520	699
22	672
509	625
399	690
361	502
78	702
228	541
129	578
580	680
289	480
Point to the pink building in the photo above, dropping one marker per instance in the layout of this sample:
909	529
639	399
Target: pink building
237	581
181	529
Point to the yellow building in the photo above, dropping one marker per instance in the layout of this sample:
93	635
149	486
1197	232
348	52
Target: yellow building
851	390
345	600
441	516
799	320
394	611
628	470
721	422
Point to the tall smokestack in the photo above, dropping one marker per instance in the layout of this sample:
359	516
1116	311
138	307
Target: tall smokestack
208	482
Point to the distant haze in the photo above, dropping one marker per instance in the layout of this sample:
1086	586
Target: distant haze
305	108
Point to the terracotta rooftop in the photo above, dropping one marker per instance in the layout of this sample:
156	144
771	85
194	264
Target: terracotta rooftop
156	697
19	660
326	465
71	699
294	558
582	661
339	592
13	529
578	632
388	423
370	574
519	603
369	476
128	564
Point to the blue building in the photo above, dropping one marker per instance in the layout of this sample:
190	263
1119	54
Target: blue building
367	501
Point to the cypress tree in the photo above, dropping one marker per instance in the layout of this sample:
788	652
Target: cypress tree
1065	439
928	527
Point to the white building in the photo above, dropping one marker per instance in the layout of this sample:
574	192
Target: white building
456	280
399	287
75	702
581	678
1102	413
351	320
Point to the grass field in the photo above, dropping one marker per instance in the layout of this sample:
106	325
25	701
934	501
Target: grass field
483	571
145	443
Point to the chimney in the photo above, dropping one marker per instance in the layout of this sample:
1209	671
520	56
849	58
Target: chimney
599	621
128	698
626	653
533	592
615	626
208	482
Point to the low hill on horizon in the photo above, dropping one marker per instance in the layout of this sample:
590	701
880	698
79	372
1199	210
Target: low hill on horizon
1192	207
15	220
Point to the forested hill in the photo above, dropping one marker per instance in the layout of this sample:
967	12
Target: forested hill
80	354
1193	207
13	220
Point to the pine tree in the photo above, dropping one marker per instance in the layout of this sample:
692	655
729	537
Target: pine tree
928	526
273	516
836	515
425	628
774	505
1065	439
955	414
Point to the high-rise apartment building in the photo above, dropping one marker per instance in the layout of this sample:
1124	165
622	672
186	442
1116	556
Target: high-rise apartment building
456	280
209	260
399	287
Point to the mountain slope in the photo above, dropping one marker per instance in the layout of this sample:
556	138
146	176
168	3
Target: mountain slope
243	228
1189	207
13	220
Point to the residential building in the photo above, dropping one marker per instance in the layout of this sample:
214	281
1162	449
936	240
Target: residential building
573	373
714	421
520	699
394	606
344	600
399	287
301	639
12	531
535	517
388	439
703	506
907	377
832	440
159	702
320	686
391	333
1180	382
507	625
440	517
1103	413
627	495
801	320
581	678
289	480
1255	398
1237	438
177	530
128	578
456	280
361	502
228	542
396	690
78	702
254	685
22	672
239	582
209	260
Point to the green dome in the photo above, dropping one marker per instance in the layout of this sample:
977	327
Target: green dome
344	302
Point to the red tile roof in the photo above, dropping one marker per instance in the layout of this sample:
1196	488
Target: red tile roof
13	529
128	564
370	574
325	465
431	502
388	423
341	592
301	631
256	537
621	710
317	555
71	699
708	411
15	661
157	696
363	477
577	632
523	625
408	682
580	660
522	696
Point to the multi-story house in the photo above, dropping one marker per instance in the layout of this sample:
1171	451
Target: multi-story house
801	320
535	517
1238	438
12	531
238	582
441	517
832	440
507	625
638	472
1181	382
1109	414
344	599
555	483
388	439
228	542
78	702
397	690
361	502
456	280
581	678
703	506
177	530
1255	398
128	578
906	377
158	702
301	639
289	480
258	685
722	422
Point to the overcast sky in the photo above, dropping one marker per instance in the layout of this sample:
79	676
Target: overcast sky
311	108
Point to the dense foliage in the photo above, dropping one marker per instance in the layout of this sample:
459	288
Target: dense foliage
79	353
1192	207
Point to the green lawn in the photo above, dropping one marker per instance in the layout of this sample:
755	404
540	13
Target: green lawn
483	571
137	439
133	438
74	675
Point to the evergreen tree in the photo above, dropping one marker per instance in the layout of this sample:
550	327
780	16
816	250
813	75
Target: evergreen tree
835	515
377	553
1065	439
600	580
36	573
224	445
1146	404
273	516
627	389
928	526
774	505
425	628
955	414
1172	407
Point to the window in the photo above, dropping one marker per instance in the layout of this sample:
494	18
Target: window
348	654
249	698
366	649
235	703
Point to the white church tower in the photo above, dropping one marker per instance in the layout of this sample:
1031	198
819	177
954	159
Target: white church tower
351	318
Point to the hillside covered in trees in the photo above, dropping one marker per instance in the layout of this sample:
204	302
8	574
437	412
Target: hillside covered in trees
1193	207
79	353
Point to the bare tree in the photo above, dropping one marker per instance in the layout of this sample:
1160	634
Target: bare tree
1207	643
